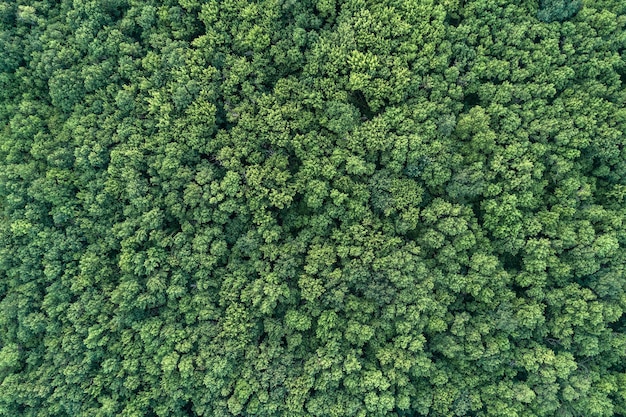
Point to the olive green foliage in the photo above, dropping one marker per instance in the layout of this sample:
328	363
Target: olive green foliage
312	208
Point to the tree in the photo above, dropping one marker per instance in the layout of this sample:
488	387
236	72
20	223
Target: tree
312	208
558	10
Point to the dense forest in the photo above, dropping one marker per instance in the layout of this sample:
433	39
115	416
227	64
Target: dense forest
312	208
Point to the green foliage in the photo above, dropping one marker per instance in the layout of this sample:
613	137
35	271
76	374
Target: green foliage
312	208
558	10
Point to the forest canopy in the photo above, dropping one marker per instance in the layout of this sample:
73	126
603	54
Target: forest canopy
312	208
